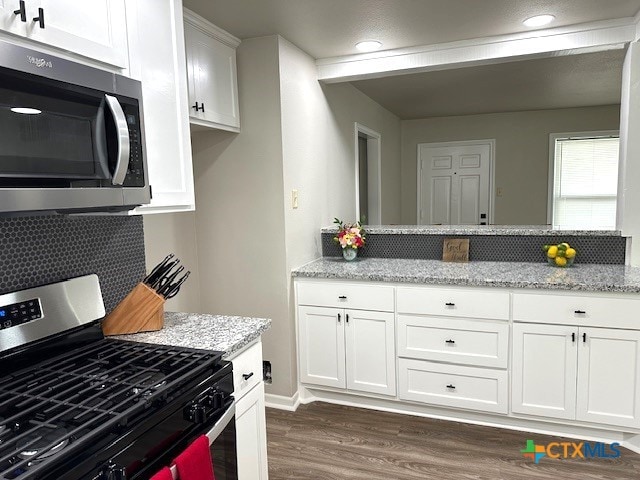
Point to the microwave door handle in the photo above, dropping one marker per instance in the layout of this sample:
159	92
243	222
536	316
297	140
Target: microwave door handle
214	433
124	145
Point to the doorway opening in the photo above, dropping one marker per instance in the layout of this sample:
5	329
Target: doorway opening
368	177
455	183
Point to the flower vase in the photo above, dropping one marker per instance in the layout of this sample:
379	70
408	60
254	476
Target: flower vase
349	254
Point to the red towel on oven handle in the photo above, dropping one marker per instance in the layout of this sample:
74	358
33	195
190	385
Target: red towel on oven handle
164	474
195	462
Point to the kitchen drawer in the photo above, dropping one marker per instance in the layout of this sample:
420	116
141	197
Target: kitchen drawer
453	386
582	310
247	363
346	295
454	302
482	343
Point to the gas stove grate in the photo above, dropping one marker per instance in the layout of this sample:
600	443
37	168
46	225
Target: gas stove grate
64	403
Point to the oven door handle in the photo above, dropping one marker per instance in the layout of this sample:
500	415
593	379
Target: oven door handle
124	144
214	433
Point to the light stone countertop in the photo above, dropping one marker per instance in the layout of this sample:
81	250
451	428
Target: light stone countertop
221	333
529	230
584	277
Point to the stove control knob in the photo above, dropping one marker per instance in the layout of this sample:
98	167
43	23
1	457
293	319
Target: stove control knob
218	400
197	414
116	472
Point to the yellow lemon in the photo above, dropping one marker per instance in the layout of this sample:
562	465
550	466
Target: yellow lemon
563	245
552	252
561	261
571	252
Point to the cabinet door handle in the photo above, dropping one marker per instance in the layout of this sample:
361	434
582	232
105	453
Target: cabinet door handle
196	107
202	107
40	17
584	338
579	312
573	337
247	376
22	11
449	304
342	297
339	318
451	387
451	342
346	317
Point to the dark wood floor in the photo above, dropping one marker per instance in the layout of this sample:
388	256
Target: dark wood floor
329	442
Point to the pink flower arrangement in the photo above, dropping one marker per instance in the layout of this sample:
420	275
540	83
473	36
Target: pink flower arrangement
349	235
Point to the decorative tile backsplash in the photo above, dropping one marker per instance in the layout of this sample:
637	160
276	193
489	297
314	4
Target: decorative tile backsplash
45	249
609	250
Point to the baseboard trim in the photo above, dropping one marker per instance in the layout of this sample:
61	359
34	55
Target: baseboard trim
280	402
534	426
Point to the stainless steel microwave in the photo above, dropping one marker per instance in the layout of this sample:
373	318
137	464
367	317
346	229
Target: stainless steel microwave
71	136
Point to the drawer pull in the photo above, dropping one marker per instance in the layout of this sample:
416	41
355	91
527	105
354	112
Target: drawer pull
450	342
449	304
342	297
247	376
451	387
579	312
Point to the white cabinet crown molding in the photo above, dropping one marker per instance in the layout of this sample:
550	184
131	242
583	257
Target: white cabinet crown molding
210	29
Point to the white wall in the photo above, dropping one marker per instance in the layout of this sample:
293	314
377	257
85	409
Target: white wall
522	153
175	233
239	215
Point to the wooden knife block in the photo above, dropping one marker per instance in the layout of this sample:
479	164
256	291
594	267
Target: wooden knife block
140	311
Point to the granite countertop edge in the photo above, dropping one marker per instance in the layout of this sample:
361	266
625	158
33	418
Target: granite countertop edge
490	230
222	333
585	278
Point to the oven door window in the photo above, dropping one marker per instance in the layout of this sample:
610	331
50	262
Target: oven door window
51	132
223	454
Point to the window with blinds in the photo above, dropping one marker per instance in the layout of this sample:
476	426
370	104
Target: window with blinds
585	182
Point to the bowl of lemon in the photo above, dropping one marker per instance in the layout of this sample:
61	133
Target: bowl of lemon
561	255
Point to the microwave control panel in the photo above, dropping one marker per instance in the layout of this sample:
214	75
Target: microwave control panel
19	313
135	172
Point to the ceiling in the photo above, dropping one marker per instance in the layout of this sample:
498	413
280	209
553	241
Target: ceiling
328	28
555	82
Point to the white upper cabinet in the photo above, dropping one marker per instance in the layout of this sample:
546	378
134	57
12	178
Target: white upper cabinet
212	72
11	17
158	60
95	29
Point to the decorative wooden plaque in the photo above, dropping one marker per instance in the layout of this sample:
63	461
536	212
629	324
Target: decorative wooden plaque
455	250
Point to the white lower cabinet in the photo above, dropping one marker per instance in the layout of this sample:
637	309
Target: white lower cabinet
557	356
351	349
577	373
251	436
251	425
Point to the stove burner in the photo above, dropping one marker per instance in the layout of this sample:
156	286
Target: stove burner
47	435
154	382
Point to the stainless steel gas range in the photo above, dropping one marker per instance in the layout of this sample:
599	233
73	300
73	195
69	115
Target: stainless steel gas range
75	405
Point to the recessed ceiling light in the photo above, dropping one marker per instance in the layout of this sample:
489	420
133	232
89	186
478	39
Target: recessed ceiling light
368	45
539	20
26	111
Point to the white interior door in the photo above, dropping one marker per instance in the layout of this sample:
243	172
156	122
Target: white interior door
454	183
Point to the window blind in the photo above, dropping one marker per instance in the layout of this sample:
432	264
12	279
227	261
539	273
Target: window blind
585	183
